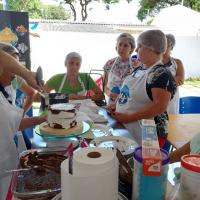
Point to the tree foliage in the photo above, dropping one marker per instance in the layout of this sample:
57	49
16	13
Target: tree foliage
152	7
55	12
71	3
84	6
31	6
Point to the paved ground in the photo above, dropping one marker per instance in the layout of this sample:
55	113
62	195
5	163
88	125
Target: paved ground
189	90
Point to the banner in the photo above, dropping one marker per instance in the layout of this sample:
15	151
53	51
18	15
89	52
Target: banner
14	30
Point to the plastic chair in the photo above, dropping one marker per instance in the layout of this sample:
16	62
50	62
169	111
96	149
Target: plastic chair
190	104
97	76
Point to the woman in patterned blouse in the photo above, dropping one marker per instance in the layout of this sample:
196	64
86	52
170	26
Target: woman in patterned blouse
146	95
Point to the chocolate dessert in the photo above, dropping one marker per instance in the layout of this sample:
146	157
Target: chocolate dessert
62	116
42	161
44	173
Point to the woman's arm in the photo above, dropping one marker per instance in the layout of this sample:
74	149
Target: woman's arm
180	73
159	104
92	87
105	81
10	64
98	95
32	121
175	156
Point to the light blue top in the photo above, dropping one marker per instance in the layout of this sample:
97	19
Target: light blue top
195	144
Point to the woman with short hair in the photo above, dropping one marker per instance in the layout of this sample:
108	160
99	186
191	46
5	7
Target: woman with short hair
146	95
116	69
74	83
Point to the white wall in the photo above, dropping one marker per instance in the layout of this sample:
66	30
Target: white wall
188	50
96	48
50	50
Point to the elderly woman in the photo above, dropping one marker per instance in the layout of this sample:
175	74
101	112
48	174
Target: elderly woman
11	120
74	83
176	68
146	95
116	69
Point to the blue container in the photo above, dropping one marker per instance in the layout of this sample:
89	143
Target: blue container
149	187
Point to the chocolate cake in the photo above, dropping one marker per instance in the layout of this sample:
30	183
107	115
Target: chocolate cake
42	161
62	116
44	173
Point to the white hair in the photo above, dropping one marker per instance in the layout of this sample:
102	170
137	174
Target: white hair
154	40
71	55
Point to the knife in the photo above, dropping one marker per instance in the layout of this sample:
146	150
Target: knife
39	76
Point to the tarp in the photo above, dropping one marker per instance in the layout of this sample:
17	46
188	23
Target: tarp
178	19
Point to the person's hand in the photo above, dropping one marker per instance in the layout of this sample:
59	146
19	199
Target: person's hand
42	119
30	78
179	81
76	97
111	108
121	117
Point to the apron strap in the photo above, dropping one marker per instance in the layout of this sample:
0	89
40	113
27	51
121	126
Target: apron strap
5	94
62	83
82	86
79	80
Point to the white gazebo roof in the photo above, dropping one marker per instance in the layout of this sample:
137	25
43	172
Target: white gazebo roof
178	19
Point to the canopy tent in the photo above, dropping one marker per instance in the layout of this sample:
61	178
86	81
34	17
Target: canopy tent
178	19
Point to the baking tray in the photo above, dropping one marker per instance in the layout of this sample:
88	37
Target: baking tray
34	180
120	197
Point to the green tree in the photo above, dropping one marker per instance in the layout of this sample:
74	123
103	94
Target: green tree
152	7
31	6
84	6
1	6
55	12
72	7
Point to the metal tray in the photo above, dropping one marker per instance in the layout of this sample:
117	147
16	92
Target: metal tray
120	197
18	185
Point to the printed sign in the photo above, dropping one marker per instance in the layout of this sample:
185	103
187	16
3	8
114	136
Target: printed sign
14	30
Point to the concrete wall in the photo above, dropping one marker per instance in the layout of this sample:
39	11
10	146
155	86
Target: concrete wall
188	50
96	48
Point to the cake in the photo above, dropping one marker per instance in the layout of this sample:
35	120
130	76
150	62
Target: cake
42	161
42	180
62	116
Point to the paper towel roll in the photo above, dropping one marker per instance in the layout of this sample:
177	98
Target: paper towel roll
92	160
101	185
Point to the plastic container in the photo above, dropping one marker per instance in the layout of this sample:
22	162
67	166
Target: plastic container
190	178
149	187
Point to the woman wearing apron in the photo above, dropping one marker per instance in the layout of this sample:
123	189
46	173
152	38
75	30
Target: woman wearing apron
9	125
73	83
13	82
117	69
146	95
10	120
176	68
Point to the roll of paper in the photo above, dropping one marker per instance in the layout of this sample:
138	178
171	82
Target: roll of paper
92	161
95	175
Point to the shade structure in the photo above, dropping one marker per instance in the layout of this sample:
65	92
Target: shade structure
178	19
